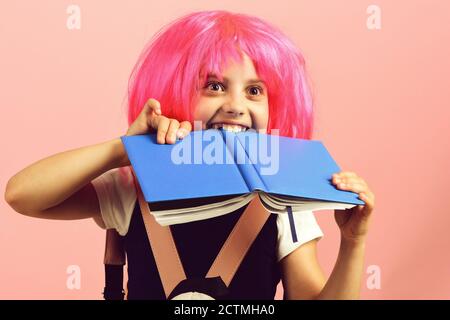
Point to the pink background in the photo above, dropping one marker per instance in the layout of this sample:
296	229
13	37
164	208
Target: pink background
382	100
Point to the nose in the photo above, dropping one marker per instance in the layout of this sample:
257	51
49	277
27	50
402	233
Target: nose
233	108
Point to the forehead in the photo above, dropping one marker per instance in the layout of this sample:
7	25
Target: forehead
245	66
237	70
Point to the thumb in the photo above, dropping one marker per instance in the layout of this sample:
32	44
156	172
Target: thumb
152	106
152	113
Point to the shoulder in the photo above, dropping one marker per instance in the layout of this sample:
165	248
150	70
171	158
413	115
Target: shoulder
296	232
117	196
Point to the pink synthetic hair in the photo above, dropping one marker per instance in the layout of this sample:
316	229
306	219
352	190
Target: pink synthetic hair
174	65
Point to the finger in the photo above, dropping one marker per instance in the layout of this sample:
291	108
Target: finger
153	121
171	132
369	201
153	106
370	197
344	174
152	112
353	187
350	180
185	128
163	127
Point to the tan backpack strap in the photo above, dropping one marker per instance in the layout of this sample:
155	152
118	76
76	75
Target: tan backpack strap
239	241
229	258
163	247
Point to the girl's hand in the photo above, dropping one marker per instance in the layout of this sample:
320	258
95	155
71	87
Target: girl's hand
150	119
354	222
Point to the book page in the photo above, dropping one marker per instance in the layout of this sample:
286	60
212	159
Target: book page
277	204
170	217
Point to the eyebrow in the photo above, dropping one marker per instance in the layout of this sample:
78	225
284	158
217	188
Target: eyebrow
211	75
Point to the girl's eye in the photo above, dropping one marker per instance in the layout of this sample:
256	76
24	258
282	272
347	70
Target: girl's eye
258	90
255	90
214	85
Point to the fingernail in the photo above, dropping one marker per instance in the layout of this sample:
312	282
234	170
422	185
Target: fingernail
181	133
179	136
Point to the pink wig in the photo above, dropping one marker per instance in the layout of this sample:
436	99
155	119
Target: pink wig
173	67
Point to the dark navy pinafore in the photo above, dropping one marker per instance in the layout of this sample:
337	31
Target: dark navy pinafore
198	244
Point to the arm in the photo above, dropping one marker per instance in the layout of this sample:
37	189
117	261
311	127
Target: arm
303	276
345	279
58	187
304	279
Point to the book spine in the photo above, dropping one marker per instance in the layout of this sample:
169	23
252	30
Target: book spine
243	162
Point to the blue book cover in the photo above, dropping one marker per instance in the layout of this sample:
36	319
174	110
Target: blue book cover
217	164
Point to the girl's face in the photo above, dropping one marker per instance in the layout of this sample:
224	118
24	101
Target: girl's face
237	104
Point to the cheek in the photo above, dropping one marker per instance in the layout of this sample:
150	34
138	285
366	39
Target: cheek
202	113
261	116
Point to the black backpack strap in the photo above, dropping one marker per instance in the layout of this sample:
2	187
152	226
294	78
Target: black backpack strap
114	261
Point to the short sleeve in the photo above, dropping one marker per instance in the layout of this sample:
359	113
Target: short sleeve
306	229
117	197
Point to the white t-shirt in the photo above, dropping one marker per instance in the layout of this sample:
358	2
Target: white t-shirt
117	197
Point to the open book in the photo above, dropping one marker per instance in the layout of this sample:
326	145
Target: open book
214	172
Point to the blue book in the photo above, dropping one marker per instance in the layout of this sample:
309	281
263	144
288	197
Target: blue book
214	172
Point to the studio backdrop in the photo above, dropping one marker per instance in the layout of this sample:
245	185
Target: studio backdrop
380	74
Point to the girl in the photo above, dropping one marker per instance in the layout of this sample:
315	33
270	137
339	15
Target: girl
226	70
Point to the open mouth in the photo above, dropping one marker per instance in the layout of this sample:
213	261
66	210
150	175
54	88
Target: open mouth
228	127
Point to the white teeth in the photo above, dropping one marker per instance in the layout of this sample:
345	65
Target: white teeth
229	127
